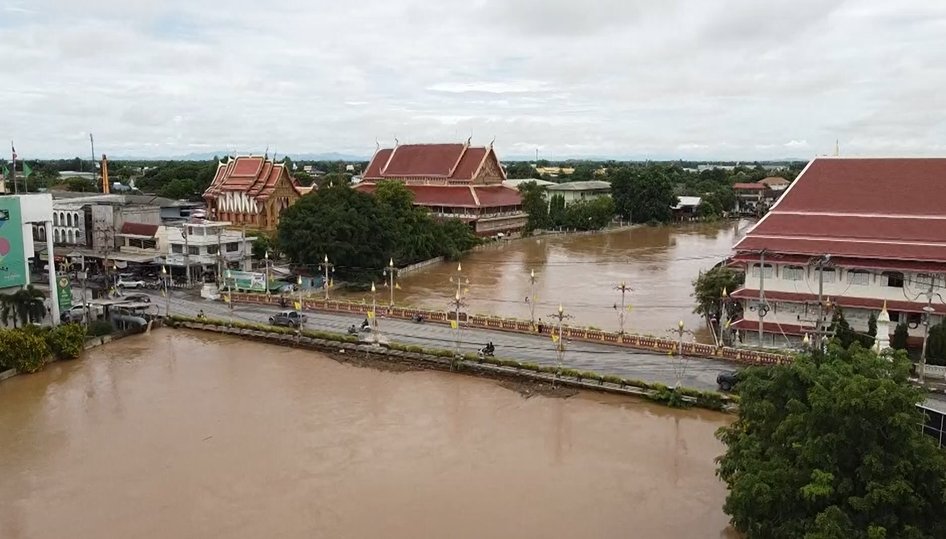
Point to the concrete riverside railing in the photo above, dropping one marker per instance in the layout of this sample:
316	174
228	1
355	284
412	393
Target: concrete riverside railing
641	342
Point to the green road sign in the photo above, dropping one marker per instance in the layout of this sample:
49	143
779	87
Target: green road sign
65	294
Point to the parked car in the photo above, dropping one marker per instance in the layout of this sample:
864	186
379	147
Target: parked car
77	313
138	297
293	319
727	380
129	282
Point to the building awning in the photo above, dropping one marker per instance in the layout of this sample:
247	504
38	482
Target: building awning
133	257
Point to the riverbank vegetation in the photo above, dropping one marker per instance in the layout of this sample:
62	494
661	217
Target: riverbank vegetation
361	233
29	348
830	446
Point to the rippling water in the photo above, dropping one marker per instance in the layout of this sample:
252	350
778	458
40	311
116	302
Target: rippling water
581	272
180	434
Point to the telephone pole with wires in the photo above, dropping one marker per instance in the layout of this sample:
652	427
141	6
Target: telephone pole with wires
820	263
763	306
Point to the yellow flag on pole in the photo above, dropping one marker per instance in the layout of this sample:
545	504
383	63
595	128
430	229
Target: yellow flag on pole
554	338
454	325
226	298
370	315
397	286
297	305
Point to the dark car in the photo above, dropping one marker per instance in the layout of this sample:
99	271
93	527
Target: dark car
137	298
727	380
292	319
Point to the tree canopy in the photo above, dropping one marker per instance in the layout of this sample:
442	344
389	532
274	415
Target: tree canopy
360	233
708	290
643	195
535	205
830	446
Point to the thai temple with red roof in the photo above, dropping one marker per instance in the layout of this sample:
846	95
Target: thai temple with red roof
870	231
452	181
251	190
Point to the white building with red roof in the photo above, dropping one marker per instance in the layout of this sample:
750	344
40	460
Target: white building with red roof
251	190
870	231
452	181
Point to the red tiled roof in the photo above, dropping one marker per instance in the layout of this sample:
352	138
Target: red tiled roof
842	262
773	180
843	301
456	162
139	229
890	209
459	196
255	175
748	186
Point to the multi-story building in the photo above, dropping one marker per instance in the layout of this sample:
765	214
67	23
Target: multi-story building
864	232
251	190
452	181
205	246
575	191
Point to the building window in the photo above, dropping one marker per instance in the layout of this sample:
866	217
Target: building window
191	250
894	316
793	273
70	237
769	270
177	248
75	219
894	279
925	280
914	319
212	249
858	277
829	275
232	247
55	219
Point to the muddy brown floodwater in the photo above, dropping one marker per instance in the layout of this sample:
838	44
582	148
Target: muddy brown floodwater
581	272
186	435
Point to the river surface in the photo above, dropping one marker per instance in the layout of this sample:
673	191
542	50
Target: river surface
581	272
187	435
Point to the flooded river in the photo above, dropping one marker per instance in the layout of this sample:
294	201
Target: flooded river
187	435
581	272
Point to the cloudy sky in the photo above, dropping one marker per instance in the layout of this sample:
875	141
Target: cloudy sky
728	79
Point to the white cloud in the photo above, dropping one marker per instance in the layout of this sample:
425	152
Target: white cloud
682	78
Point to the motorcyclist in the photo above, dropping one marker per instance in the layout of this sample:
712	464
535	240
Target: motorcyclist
489	349
365	324
201	315
352	329
418	318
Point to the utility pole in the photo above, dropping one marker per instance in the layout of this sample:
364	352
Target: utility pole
532	297
13	169
229	298
624	290
220	262
928	310
819	331
763	307
327	266
390	271
560	342
187	256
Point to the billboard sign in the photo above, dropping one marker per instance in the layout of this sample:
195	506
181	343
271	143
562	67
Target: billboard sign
246	280
65	294
12	255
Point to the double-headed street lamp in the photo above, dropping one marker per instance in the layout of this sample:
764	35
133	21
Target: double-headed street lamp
680	368
532	299
327	266
560	340
624	289
167	291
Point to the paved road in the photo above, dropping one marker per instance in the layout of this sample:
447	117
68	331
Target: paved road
693	372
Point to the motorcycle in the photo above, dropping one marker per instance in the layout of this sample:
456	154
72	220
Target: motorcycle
485	352
418	319
352	330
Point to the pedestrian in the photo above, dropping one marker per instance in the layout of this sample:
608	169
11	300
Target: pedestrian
539	326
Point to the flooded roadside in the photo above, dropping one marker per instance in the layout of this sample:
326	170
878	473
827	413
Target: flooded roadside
193	435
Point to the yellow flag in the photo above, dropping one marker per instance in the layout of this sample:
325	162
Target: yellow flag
370	315
297	305
628	308
397	286
226	298
331	283
554	338
454	325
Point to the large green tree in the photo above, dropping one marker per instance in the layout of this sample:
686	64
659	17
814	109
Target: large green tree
535	205
829	447
708	290
348	226
593	214
643	195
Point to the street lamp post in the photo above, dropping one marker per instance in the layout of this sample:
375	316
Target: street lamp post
680	370
560	344
229	297
327	266
266	258
928	310
724	301
167	291
299	286
460	281
390	271
532	299
374	313
624	290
